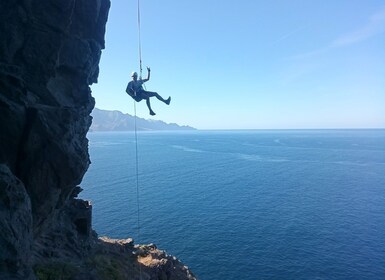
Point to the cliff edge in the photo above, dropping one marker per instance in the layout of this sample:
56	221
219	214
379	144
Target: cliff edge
49	56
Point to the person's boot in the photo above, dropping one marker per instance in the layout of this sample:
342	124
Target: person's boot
168	100
152	113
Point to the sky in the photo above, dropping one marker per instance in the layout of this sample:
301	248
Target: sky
246	64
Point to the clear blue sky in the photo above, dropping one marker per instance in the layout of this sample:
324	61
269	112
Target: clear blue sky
250	64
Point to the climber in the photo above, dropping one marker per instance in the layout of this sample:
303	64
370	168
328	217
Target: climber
136	91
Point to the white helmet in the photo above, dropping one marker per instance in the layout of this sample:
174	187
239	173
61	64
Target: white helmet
134	74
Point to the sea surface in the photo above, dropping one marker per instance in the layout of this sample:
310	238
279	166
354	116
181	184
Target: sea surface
256	204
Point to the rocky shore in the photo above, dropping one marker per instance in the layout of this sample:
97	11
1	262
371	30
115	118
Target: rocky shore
49	56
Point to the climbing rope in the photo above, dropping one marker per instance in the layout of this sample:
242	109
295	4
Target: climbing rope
137	172
139	43
137	183
136	137
136	133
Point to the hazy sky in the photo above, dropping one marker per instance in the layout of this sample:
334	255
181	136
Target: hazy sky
250	64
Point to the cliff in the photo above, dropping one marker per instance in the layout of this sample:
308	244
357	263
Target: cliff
103	120
49	56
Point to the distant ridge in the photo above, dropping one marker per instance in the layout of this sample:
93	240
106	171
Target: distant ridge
104	120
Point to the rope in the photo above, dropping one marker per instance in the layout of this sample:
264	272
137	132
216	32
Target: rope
136	136
137	182
139	43
137	171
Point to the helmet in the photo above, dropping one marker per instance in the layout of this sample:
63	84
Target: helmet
134	74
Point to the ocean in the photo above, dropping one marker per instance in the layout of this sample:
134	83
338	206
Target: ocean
247	204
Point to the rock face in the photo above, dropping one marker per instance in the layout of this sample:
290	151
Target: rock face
49	56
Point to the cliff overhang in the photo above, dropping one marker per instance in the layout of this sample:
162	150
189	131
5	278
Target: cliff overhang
49	56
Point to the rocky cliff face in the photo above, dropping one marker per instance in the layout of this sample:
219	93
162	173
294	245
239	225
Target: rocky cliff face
49	56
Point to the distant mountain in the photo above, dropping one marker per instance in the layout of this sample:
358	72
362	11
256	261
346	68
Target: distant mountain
104	120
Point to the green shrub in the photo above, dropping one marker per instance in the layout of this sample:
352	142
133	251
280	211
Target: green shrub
55	271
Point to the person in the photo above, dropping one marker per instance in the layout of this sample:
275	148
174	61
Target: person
136	91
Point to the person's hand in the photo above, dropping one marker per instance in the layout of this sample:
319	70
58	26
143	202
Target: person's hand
148	69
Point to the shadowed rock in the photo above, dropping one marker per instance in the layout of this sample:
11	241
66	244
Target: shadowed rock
49	56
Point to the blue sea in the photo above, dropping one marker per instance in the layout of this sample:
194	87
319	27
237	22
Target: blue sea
254	204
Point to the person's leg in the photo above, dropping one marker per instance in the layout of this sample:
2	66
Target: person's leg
152	93
152	113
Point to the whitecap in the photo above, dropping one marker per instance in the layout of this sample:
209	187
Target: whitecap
187	149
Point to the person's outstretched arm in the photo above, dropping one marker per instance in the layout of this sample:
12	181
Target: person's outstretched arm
148	74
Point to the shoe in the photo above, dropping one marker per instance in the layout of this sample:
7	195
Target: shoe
152	113
168	100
